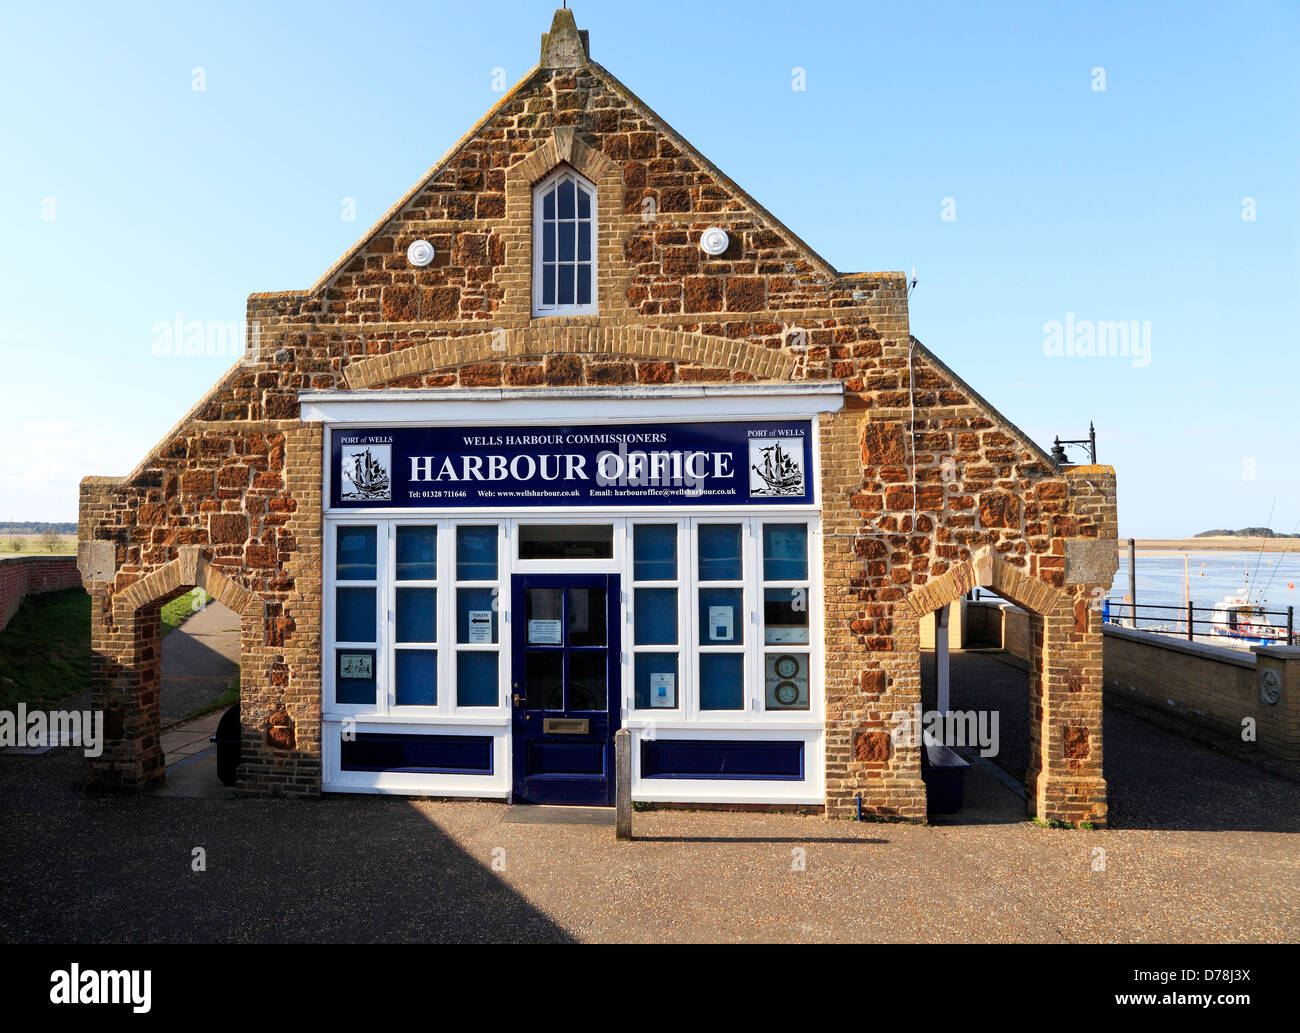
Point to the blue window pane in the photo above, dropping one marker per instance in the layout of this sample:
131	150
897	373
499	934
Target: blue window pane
656	617
417	554
567	234
565	292
785	615
722	681
548	285
417	615
476	679
476	615
584	242
416	678
654	552
584	285
785	552
721	620
720	552
584	204
476	553
354	677
354	618
548	242
566	199
548	204
656	676
356	554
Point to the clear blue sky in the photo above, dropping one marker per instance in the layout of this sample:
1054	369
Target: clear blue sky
1122	204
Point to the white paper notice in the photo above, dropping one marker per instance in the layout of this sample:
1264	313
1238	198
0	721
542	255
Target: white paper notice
544	633
663	691
721	626
480	626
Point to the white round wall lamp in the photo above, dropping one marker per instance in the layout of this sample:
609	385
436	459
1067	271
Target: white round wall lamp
420	253
714	241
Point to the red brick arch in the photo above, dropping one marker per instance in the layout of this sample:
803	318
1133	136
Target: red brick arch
129	657
985	569
604	342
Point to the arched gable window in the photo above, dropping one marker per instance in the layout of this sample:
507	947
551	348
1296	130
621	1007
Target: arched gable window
564	250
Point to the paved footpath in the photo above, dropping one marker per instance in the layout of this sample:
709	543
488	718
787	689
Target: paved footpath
199	660
1207	849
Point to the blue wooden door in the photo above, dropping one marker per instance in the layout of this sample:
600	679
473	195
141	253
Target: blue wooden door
566	690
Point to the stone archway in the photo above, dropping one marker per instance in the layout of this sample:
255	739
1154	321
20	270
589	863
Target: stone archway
1064	779
128	665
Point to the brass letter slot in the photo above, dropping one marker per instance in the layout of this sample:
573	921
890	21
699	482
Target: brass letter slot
564	726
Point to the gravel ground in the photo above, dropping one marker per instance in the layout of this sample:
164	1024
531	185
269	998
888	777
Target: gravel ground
1207	850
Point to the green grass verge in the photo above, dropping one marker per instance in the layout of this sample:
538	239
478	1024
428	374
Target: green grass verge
179	610
45	650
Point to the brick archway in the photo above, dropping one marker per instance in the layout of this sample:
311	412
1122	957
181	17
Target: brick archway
985	569
129	663
1064	778
607	342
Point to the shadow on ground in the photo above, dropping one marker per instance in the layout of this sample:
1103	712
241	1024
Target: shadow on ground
1156	778
77	868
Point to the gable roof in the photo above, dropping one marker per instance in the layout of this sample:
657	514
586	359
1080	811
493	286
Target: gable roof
566	46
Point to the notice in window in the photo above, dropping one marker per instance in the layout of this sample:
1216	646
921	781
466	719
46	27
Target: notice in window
545	633
480	626
356	665
721	623
663	690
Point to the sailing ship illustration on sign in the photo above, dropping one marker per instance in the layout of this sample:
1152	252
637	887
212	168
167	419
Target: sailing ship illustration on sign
775	470
365	473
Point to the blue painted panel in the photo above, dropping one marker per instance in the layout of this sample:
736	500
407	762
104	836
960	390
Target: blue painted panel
476	679
354	616
356	553
416	677
722	681
417	554
566	758
730	759
432	754
654	552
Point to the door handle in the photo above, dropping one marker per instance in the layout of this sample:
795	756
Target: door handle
519	700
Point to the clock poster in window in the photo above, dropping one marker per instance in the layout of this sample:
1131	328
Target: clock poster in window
786	681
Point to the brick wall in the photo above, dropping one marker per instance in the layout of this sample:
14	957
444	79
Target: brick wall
1002	625
21	576
1209	686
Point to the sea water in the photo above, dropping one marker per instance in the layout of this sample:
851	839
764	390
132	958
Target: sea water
1211	576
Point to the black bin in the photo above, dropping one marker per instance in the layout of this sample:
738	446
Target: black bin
227	740
944	774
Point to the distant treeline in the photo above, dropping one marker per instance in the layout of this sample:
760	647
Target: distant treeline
37	527
1245	532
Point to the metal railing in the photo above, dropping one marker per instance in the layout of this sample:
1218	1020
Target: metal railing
1186	621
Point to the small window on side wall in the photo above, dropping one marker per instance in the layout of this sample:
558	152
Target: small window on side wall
564	245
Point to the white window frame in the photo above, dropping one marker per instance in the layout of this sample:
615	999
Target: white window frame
755	714
385	708
550	182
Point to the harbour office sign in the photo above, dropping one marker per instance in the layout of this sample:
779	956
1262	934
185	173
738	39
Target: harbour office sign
671	464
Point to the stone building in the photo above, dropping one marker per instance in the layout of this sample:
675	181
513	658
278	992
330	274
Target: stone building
578	437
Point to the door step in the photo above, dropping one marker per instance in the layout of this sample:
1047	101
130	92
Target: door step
539	814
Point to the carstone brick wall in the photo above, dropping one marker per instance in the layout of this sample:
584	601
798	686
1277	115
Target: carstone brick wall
21	576
918	472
